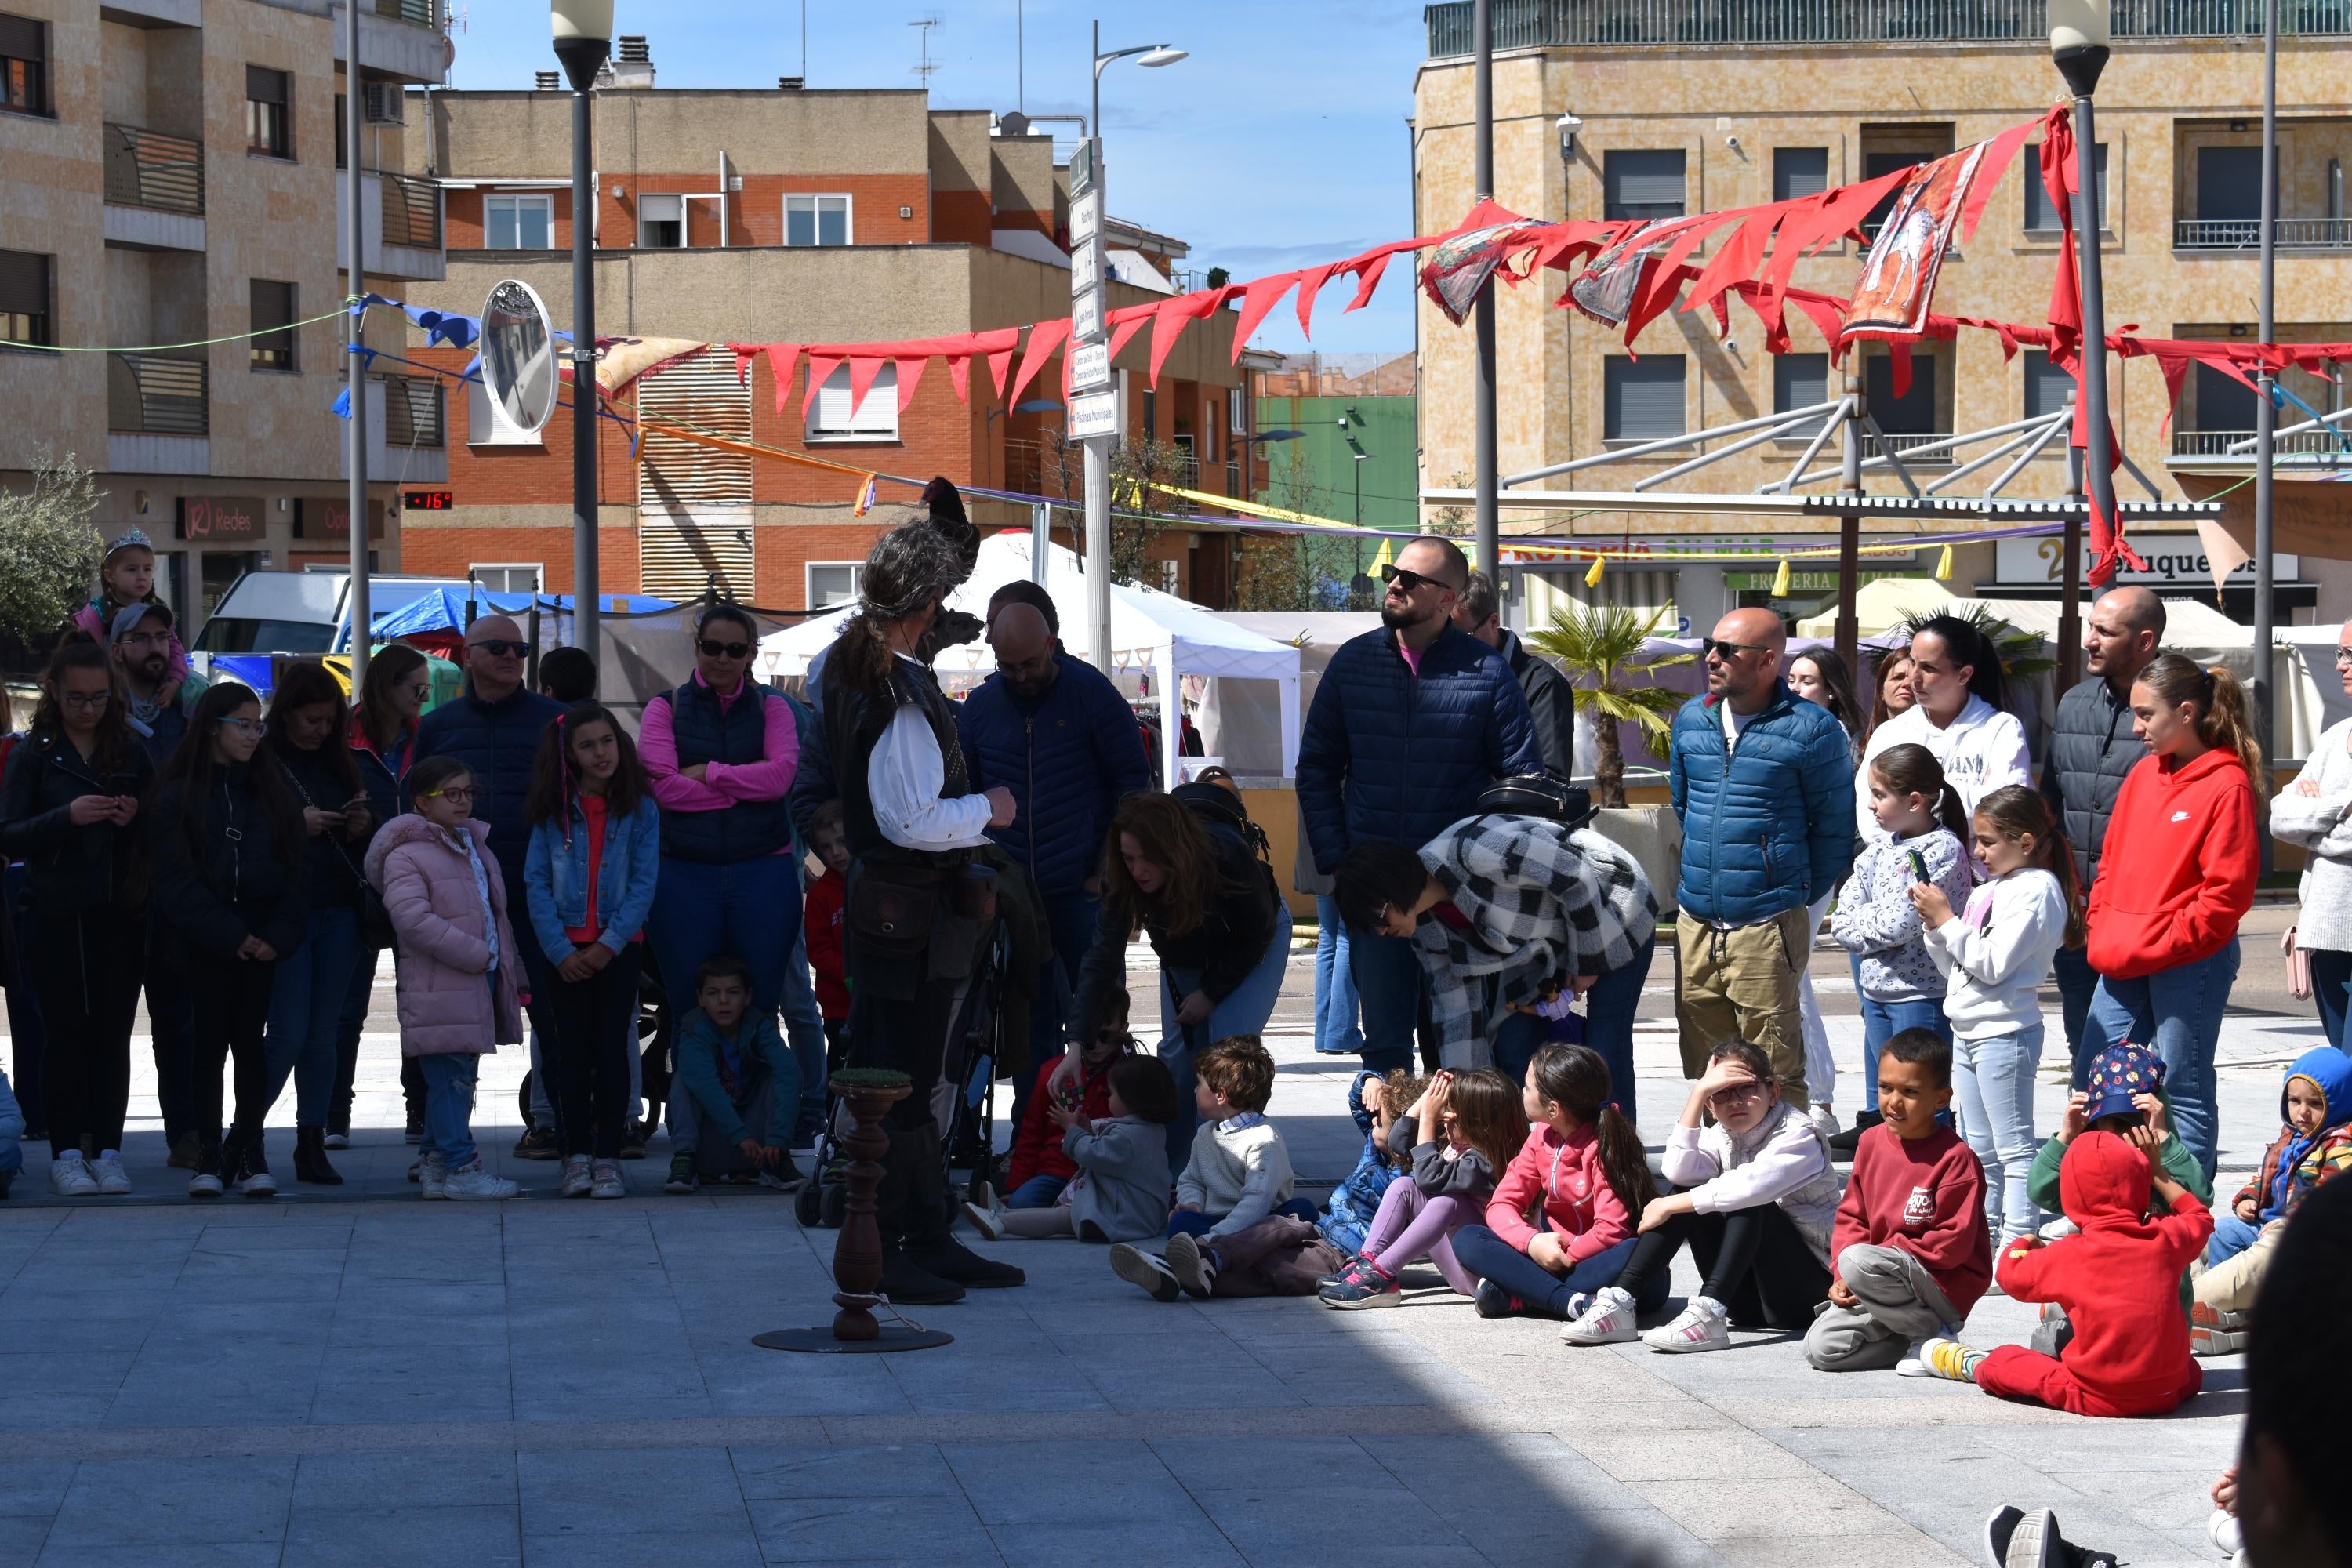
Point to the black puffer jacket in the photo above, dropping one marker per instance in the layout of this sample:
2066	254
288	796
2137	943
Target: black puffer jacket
2092	749
70	869
212	890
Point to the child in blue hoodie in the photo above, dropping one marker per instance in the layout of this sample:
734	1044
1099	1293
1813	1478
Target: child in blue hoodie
2314	1144
1374	1101
736	1079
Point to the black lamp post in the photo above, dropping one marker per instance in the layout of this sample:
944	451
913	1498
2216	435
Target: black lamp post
583	40
2079	35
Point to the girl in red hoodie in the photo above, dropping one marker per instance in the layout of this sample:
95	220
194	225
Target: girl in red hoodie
1585	1162
2175	878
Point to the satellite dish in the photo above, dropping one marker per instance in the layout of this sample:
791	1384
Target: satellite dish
518	351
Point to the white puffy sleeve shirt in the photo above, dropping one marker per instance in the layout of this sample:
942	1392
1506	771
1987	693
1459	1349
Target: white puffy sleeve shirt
903	780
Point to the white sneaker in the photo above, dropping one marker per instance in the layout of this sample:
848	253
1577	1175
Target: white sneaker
578	1179
2059	1229
607	1181
69	1176
1607	1321
1705	1325
984	1221
1189	1261
113	1181
1824	1121
468	1183
339	1140
432	1177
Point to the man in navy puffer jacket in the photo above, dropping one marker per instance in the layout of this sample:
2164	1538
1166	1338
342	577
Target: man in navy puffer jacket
1764	786
1409	725
1054	731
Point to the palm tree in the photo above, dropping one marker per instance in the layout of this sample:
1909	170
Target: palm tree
2022	654
1599	643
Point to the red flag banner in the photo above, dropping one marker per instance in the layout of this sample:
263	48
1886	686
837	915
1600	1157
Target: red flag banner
1898	274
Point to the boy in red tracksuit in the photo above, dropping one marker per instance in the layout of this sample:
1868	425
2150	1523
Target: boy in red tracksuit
821	922
2117	1281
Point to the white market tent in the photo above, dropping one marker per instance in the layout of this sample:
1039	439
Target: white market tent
1151	633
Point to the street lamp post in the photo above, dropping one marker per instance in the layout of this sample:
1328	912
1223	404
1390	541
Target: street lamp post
355	241
584	39
2079	35
2266	405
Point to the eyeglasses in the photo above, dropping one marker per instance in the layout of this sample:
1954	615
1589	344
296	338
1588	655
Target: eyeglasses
2343	656
256	728
1726	649
461	794
84	700
1737	1091
147	639
421	691
1407	582
713	648
499	647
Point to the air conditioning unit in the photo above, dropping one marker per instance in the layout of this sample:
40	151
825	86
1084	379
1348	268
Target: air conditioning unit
385	103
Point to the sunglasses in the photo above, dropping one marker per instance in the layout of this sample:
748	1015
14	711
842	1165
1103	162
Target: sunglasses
1726	649
1407	582
499	648
713	648
421	691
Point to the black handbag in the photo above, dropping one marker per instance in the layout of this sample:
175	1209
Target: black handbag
1537	794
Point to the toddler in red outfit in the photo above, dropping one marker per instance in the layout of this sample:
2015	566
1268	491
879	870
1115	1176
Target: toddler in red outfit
2129	1355
822	924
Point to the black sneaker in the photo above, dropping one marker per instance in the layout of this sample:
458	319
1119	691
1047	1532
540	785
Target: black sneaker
184	1153
1846	1141
206	1182
634	1136
415	1133
251	1175
536	1143
1493	1301
682	1180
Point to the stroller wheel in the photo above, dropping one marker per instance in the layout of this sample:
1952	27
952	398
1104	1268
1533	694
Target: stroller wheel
522	1100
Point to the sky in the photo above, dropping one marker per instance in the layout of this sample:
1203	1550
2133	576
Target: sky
1280	142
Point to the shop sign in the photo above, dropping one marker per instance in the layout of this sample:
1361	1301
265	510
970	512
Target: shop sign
206	518
318	517
1798	581
2173	559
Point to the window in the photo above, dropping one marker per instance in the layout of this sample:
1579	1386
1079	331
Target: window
831	582
273	315
1151	414
2229	186
2047	386
268	114
1913	413
2224	402
1643	185
1643	397
1800	380
1799	172
2042	217
816	220
24	65
1238	408
661	222
518	222
506	576
877	419
25	298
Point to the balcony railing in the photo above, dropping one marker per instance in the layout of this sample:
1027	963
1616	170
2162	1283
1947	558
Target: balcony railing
412	212
150	395
2246	234
1901	443
149	169
412	411
2217	443
1533	24
417	11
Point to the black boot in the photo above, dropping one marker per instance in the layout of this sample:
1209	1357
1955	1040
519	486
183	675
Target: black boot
905	1280
929	1241
1846	1141
311	1158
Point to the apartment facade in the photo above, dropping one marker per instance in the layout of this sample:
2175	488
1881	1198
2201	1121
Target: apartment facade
1338	431
785	215
1686	109
170	176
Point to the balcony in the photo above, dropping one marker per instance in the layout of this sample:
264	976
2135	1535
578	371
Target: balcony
155	190
158	414
2246	234
1903	443
406	432
1535	23
401	219
398	38
2214	445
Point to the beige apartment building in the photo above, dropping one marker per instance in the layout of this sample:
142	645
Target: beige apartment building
1688	108
169	176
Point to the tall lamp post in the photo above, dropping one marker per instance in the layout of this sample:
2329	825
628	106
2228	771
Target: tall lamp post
355	243
2079	36
2266	405
583	40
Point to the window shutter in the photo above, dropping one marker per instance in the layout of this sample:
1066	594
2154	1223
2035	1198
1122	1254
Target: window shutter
2046	386
21	39
24	283
1643	182
1799	172
265	86
700	393
878	416
1643	397
1800	380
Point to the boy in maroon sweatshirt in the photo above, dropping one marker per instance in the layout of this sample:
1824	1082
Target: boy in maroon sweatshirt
1909	1245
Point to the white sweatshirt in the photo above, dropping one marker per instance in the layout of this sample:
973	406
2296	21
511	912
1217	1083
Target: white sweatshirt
1781	1159
1996	953
1239	1171
1981	750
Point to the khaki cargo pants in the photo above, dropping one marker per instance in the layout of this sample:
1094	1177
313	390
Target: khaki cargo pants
1742	983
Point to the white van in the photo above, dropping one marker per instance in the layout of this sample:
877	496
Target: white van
302	613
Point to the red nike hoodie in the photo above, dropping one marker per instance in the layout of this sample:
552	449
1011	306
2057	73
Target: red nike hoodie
2178	872
2119	1278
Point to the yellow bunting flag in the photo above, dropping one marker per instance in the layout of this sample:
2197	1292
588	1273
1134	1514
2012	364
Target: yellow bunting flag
1593	578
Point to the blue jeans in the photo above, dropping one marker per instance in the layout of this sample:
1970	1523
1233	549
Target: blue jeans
2077	981
1336	1034
1244	1012
2231	1236
2331	987
1387	972
1994	1079
306	1011
1609	1009
804	1032
2177	1013
1540	1292
449	1078
1189	1222
1882	1021
751	909
1517	1038
1036	1192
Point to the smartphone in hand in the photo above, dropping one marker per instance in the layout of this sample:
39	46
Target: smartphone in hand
1918	865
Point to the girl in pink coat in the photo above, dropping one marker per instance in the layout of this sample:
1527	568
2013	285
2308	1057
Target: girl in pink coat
457	994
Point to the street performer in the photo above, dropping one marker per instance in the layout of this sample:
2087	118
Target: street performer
918	909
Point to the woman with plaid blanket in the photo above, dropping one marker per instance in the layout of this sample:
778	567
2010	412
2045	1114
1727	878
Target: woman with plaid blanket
1499	904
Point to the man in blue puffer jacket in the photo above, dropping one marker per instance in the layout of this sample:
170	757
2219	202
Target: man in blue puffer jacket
1054	731
1764	786
1409	725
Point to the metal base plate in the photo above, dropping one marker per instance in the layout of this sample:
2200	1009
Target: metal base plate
820	1341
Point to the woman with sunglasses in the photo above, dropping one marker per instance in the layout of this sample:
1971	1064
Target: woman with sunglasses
227	841
722	750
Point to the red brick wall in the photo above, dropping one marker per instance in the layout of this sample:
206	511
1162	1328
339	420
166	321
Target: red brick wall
756	213
461	217
963	218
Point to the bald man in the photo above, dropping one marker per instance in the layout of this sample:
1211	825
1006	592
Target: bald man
2091	747
1763	783
1054	731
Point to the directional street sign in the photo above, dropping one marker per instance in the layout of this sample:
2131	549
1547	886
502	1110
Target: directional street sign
1086	217
1086	268
1089	367
1096	414
1086	317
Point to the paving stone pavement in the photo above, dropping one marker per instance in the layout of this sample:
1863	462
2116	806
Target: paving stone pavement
350	1376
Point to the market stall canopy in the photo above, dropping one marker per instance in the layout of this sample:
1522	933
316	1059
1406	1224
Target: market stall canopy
1883	604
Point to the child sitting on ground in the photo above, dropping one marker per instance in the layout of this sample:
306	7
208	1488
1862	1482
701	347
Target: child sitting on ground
2314	1143
1118	1191
1476	1124
1375	1102
1583	1165
2129	1355
1909	1253
1757	1201
735	1077
821	922
1556	1006
1038	1169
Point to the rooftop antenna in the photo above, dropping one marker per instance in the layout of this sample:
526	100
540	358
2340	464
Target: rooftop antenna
923	72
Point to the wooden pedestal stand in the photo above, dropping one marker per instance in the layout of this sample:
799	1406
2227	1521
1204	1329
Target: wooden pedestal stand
858	1255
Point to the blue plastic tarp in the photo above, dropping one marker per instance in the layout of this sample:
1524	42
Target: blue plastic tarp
444	609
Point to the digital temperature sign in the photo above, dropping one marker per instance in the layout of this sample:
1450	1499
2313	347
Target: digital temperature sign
427	500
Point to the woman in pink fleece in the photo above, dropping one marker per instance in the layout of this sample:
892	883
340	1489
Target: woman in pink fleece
1585	1161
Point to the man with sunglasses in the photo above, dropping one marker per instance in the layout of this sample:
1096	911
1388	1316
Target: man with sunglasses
1763	785
1409	725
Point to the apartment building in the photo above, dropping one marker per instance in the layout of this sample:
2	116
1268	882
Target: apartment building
1339	433
168	175
787	215
1687	109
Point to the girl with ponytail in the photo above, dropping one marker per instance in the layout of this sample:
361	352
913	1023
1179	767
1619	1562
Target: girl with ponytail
1585	1175
2176	876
